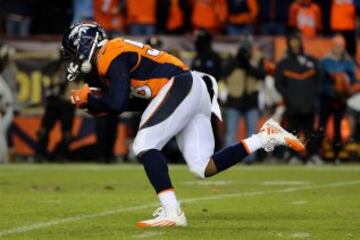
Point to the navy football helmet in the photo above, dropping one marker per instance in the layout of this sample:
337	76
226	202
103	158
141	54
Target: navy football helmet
78	46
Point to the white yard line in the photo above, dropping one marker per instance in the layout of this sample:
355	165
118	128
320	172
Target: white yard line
299	202
208	183
83	217
284	183
215	183
300	235
147	235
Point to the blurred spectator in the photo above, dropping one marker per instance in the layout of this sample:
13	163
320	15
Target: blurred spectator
297	79
305	16
58	108
154	42
82	10
243	74
51	17
273	15
173	16
208	61
141	16
110	15
18	18
6	116
339	74
6	110
242	15
343	20
270	100
209	15
9	71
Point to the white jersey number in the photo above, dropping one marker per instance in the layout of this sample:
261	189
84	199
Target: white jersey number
152	52
141	92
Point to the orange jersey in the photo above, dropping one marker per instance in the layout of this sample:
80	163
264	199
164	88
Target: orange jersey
153	68
343	15
305	18
141	11
209	14
175	16
109	15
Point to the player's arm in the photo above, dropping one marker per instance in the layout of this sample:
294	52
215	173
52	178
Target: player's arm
116	97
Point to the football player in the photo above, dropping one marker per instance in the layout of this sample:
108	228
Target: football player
179	104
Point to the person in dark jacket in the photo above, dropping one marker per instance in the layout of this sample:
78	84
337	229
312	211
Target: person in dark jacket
206	59
297	79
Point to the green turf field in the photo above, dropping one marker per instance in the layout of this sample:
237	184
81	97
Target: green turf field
104	202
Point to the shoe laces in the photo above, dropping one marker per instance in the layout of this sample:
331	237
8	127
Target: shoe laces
158	212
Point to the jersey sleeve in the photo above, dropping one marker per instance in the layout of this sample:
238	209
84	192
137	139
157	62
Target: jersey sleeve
116	96
112	50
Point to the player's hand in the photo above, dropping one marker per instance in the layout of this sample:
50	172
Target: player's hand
80	97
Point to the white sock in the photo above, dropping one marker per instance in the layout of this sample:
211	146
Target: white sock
168	198
252	143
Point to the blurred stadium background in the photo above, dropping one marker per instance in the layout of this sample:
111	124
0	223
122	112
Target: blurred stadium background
209	35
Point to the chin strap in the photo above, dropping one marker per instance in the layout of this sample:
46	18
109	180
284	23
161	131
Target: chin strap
86	65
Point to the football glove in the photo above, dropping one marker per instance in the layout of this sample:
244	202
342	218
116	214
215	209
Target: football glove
80	97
